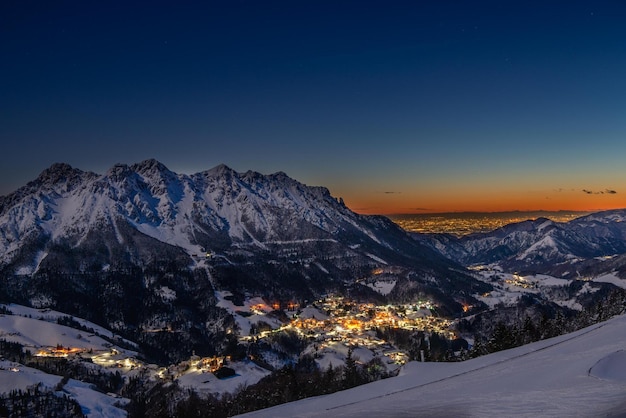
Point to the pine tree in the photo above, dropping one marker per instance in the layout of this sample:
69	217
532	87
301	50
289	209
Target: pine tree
351	376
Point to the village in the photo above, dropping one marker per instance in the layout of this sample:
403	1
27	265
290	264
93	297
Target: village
336	321
331	326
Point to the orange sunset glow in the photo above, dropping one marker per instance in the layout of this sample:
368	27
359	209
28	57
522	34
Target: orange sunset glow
502	201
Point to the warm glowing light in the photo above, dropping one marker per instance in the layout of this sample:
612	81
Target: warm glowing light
58	351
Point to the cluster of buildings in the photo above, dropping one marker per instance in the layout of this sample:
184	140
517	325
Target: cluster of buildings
519	281
59	351
346	318
338	320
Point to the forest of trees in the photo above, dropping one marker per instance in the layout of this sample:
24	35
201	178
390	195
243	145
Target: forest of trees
300	380
510	335
36	402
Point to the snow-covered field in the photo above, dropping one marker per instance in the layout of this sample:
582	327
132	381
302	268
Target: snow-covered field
35	334
51	316
384	287
94	404
247	373
611	278
256	310
36	329
582	374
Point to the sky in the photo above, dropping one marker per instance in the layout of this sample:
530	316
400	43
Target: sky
395	106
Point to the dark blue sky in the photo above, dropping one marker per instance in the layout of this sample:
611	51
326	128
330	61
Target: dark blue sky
396	106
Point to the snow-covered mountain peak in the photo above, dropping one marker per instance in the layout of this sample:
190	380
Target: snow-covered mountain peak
153	170
221	170
59	176
280	175
252	232
58	172
149	165
561	249
118	172
186	211
609	216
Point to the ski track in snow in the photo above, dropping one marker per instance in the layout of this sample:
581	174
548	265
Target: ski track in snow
486	366
570	375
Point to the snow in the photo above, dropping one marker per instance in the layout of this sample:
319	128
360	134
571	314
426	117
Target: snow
544	225
611	278
334	354
611	367
545	243
383	287
312	312
247	373
545	280
169	234
578	374
31	268
256	307
166	293
50	316
509	287
321	267
375	258
23	377
93	403
35	334
365	231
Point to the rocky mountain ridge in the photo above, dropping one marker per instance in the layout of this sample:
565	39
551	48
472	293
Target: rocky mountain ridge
564	250
142	250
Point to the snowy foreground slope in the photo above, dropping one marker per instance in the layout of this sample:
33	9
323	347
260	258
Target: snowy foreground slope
582	374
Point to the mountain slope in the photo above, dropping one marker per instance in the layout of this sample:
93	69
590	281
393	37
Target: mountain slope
213	209
578	374
142	249
540	245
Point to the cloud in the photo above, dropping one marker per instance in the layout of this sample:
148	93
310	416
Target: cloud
390	192
606	191
421	209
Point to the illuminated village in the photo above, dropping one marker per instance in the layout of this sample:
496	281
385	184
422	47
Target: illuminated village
330	326
334	321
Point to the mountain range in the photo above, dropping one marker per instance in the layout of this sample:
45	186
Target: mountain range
585	247
159	268
141	248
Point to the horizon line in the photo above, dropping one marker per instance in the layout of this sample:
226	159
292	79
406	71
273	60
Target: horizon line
469	212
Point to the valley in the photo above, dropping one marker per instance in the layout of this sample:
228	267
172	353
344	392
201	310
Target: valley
228	292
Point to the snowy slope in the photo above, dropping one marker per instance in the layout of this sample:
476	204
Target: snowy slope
174	208
206	211
582	374
93	404
36	330
68	224
34	333
537	242
49	315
